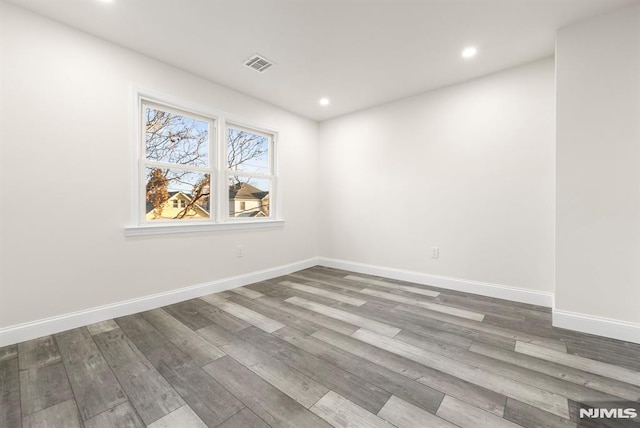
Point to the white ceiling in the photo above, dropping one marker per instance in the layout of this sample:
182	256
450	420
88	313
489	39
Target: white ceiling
358	53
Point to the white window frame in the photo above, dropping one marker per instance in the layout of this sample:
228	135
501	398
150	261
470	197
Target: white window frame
271	176
217	168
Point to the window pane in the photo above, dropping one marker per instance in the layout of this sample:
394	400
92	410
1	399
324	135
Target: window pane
247	152
174	138
176	194
249	197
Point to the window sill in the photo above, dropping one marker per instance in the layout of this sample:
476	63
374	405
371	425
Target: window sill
167	229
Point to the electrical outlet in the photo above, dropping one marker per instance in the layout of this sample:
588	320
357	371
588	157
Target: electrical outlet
435	252
240	251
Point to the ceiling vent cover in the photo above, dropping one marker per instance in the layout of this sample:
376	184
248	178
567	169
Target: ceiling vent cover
258	63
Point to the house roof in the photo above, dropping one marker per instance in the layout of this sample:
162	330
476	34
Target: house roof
245	191
149	204
252	214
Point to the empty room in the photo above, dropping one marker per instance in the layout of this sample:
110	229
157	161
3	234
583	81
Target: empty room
319	213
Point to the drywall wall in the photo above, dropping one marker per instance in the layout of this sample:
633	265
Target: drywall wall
598	167
67	111
468	169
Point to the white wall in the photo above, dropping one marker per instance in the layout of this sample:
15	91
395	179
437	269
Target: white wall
468	168
598	167
66	109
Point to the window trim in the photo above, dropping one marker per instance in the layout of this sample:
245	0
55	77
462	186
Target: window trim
218	122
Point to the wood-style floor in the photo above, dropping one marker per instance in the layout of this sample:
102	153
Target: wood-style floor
317	348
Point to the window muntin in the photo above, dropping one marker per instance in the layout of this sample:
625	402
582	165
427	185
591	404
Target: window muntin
181	164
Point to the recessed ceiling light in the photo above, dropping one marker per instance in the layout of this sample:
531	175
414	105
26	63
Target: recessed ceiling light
324	101
469	52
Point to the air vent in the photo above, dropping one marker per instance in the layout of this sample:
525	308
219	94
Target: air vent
258	63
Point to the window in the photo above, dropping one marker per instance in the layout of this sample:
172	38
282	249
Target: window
199	169
176	163
249	172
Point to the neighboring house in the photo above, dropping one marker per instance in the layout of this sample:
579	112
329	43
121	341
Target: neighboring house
175	205
246	200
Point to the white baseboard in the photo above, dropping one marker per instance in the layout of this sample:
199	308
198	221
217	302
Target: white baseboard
57	324
599	326
476	287
573	321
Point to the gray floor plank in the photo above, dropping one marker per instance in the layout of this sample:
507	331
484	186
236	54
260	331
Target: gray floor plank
283	317
224	294
437	327
348	317
385	379
270	404
244	419
319	280
149	392
342	413
247	292
487	328
295	384
8	352
182	417
243	313
376	313
101	327
324	293
94	385
379	356
528	394
437	381
10	412
186	313
450	310
624	354
42	387
511	371
206	397
386	284
473	394
490	310
351	387
405	415
532	417
588	365
306	314
312	275
466	416
279	291
347	287
599	383
121	416
37	353
201	351
493	306
205	314
61	415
